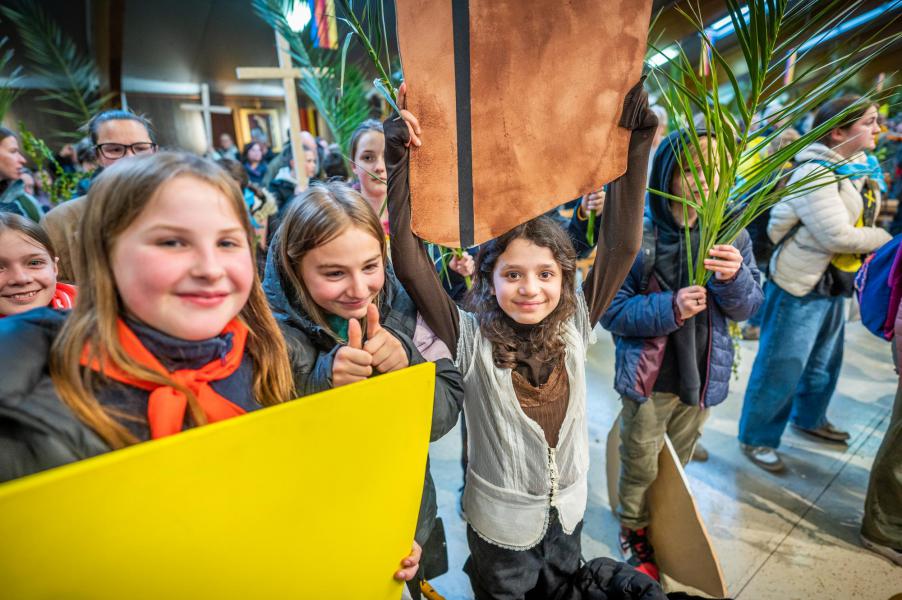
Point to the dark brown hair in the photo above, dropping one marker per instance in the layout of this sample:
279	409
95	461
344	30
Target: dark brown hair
834	107
494	323
27	227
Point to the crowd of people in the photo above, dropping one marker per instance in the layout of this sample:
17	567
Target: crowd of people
181	290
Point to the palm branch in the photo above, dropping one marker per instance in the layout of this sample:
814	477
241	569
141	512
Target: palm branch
768	32
338	91
63	184
53	55
8	91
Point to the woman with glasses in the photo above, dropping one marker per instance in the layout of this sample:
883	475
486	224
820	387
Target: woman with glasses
115	134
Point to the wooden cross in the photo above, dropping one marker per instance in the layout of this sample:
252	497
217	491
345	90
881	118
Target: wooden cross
206	110
288	75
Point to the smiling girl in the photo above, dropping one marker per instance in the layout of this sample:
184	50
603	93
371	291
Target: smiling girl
345	316
521	350
171	329
28	268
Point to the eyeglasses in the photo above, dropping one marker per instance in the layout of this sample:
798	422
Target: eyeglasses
114	151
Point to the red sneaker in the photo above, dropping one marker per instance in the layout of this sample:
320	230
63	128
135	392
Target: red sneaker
637	551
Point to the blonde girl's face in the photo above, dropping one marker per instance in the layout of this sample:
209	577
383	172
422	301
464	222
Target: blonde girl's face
369	166
27	273
345	274
527	282
184	266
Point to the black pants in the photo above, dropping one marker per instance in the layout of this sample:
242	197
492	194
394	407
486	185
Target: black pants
537	573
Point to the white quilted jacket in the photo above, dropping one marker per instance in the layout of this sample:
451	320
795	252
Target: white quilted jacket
828	215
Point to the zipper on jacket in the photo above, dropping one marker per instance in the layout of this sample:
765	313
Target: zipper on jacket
553	474
701	398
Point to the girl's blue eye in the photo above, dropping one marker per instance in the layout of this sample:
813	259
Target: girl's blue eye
334	274
170	243
37	262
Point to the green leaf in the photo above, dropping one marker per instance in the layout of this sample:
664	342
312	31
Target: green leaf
766	37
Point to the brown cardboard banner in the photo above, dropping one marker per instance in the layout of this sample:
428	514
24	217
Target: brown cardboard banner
519	103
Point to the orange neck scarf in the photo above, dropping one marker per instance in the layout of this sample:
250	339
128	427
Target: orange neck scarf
166	406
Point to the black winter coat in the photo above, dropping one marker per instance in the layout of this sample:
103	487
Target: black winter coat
37	431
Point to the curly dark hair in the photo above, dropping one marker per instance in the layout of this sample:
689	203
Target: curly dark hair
503	332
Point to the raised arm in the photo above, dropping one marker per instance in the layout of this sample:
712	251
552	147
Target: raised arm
410	260
620	236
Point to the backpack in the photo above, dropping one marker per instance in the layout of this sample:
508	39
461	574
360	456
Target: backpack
878	286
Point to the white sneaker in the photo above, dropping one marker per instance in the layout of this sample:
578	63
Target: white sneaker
764	457
893	554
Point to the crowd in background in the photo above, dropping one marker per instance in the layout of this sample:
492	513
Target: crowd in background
334	311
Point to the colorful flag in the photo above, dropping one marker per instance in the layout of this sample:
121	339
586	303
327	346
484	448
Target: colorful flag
325	25
790	72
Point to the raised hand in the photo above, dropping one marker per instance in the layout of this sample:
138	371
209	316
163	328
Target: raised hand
352	363
386	351
413	125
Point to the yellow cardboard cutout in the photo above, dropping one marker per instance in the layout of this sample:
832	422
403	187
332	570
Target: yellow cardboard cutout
317	498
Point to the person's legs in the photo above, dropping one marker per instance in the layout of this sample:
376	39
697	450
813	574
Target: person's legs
642	428
497	573
561	554
684	429
500	574
788	334
882	523
818	381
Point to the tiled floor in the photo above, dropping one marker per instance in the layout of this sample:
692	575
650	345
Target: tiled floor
787	537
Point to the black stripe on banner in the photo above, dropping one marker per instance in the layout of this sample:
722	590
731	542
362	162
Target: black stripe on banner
460	17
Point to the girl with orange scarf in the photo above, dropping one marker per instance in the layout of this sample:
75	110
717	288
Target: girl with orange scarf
171	329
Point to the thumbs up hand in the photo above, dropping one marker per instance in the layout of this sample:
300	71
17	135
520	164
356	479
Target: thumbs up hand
386	350
352	363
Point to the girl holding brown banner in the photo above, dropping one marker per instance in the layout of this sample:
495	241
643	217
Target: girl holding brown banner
521	351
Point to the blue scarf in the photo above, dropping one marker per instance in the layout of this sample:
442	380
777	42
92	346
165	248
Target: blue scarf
854	171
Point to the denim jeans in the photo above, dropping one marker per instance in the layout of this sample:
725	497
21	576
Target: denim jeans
797	365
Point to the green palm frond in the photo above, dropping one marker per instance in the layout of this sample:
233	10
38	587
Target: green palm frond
338	91
370	29
769	36
53	55
8	91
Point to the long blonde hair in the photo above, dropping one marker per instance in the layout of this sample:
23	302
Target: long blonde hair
115	200
317	217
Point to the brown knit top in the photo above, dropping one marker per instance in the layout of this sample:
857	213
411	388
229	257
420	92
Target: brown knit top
546	404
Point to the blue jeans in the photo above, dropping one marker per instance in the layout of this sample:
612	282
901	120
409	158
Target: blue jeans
796	368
